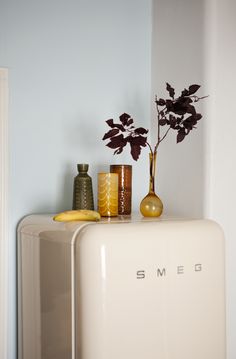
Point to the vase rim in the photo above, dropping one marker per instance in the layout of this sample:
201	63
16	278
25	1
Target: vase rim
107	173
120	165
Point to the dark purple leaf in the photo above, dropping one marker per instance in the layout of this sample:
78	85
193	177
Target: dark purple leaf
191	109
181	135
193	88
110	123
179	108
169	106
116	141
111	133
121	127
163	122
170	90
184	101
184	93
135	151
141	131
117	125
189	122
162	112
161	102
138	140
124	118
198	116
118	151
172	121
129	122
128	138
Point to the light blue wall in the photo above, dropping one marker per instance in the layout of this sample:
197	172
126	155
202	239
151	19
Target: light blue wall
72	65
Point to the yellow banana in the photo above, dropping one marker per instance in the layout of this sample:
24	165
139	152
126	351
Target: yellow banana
77	215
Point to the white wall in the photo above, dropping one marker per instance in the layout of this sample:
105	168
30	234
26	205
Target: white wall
72	65
178	58
221	145
194	41
3	212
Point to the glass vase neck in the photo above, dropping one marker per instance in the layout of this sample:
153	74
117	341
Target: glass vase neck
151	205
152	169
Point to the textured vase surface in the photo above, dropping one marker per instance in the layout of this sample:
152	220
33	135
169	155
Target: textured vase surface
83	190
108	194
124	188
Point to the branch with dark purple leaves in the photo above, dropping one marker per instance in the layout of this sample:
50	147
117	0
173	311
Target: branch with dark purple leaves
178	114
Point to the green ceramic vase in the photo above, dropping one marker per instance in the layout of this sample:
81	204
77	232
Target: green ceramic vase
83	189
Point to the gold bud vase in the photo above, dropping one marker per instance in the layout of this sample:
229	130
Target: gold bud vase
151	205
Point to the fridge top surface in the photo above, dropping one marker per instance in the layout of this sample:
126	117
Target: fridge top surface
35	224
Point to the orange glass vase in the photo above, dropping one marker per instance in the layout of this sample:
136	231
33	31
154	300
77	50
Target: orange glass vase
151	205
124	187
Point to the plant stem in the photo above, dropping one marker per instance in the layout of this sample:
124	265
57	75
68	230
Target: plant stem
152	169
150	147
164	136
158	124
159	139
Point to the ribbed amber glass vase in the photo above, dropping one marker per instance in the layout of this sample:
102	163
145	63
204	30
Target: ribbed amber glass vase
124	187
108	194
151	205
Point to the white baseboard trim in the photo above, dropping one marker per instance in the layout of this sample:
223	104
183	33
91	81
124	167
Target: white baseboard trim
4	233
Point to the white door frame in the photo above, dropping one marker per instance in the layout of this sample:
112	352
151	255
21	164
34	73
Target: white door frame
4	234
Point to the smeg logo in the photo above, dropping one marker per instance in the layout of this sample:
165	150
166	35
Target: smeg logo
162	272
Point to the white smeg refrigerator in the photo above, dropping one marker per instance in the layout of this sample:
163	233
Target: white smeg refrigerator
120	289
